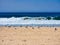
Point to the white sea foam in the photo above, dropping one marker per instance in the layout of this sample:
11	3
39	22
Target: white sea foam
20	20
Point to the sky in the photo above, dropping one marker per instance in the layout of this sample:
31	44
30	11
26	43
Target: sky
29	5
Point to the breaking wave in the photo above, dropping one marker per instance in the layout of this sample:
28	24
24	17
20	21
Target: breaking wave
27	21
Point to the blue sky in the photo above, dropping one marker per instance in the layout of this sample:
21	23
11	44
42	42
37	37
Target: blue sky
29	5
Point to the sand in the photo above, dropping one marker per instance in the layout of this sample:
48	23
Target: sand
29	35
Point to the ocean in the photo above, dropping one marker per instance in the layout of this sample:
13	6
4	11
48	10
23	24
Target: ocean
28	14
29	19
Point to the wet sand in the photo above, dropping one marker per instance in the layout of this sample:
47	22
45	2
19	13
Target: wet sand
29	35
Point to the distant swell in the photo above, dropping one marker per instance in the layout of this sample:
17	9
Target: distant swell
29	14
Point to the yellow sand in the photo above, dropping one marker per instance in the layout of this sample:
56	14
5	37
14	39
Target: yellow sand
29	36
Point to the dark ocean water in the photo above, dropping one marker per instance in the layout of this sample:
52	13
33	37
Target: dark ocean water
29	14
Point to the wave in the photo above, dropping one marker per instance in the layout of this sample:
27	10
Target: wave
27	21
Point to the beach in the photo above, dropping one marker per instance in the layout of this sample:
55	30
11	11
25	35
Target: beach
26	35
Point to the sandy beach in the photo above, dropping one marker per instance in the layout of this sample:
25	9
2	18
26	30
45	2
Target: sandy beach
29	35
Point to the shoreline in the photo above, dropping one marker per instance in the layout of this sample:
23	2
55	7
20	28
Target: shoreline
33	25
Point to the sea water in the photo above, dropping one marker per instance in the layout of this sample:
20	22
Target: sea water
17	19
